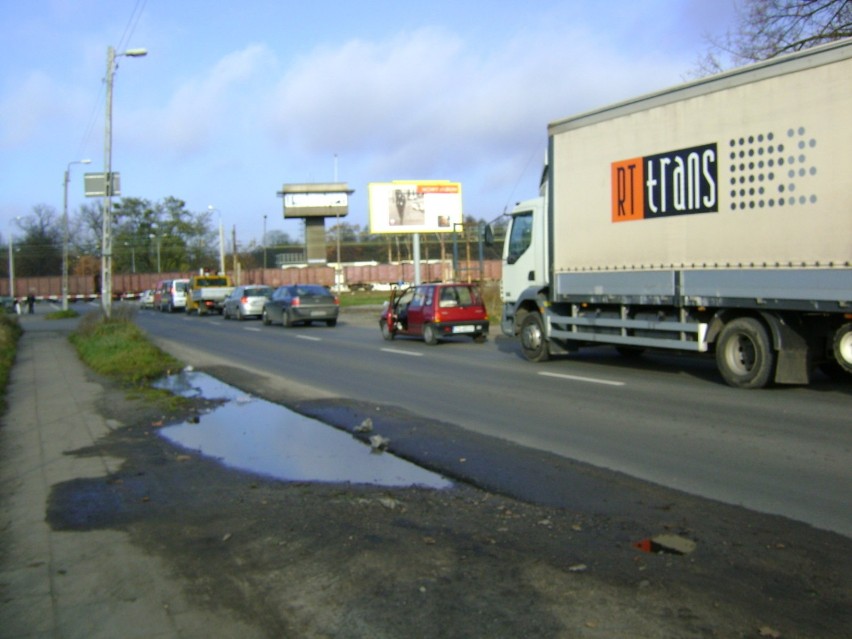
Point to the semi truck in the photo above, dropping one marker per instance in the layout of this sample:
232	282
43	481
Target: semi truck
713	217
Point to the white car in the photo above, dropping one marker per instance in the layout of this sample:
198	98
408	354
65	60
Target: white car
146	300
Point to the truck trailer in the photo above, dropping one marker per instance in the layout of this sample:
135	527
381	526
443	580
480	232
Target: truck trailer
714	217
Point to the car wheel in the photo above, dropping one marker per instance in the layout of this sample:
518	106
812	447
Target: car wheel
264	317
387	333
480	338
331	323
240	317
286	320
430	336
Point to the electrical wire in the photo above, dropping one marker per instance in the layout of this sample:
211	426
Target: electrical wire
97	109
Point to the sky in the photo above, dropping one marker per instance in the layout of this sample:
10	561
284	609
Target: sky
236	99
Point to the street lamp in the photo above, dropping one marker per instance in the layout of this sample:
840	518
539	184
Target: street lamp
211	208
263	272
132	257
156	236
12	263
106	257
65	234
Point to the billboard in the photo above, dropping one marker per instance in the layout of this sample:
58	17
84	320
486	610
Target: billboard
318	200
430	206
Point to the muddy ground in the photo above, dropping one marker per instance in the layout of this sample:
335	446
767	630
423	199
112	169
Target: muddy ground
525	544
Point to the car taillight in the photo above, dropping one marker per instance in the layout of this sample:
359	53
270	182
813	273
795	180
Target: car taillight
296	302
336	301
243	299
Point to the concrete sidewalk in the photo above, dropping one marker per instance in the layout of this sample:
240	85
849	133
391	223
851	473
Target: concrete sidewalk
74	584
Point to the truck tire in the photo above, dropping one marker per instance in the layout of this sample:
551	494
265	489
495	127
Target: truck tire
430	336
842	347
533	343
744	354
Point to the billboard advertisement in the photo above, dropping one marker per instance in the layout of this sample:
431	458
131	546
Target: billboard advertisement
415	206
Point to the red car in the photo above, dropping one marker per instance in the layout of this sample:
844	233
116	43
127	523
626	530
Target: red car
433	311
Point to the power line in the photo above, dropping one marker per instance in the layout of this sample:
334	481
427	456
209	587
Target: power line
97	109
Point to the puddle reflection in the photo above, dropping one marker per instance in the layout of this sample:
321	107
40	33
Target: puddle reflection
258	436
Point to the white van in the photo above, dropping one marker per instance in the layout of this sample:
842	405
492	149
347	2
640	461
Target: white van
173	295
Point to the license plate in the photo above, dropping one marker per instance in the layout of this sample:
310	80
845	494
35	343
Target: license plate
317	313
463	329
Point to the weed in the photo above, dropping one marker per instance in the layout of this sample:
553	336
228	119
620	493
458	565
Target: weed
119	349
10	333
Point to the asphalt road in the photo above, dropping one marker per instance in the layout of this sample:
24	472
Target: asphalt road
666	419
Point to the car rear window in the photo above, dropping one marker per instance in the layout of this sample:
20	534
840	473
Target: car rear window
212	281
262	291
458	296
311	290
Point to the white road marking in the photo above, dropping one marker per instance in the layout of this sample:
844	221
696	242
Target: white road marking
252	328
309	338
399	352
576	378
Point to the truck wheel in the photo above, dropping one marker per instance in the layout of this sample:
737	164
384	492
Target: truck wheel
533	343
387	333
842	345
744	354
429	335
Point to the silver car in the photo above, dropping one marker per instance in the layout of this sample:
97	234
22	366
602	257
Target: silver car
246	301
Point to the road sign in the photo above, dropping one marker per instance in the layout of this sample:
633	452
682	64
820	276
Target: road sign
95	184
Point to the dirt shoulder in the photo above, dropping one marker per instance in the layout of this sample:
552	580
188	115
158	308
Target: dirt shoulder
525	545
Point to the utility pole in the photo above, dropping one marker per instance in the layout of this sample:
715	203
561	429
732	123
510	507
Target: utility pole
106	252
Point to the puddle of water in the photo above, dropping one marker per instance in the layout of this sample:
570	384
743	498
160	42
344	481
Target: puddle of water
258	436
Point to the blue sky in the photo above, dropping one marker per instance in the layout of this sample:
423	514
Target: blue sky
235	99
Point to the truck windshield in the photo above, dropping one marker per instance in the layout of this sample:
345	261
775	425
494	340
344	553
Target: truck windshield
520	236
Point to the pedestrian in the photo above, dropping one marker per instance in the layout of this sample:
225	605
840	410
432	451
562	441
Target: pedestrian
30	303
17	306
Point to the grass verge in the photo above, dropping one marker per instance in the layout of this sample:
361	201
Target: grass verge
120	350
10	333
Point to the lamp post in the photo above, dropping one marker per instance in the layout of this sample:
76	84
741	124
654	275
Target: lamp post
106	257
12	263
156	237
263	272
132	257
65	234
211	208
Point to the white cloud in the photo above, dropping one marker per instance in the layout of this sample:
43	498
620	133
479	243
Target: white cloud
426	104
205	107
27	108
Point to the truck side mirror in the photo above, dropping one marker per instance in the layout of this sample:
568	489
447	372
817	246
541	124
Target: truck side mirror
488	235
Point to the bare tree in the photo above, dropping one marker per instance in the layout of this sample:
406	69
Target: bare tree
768	28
